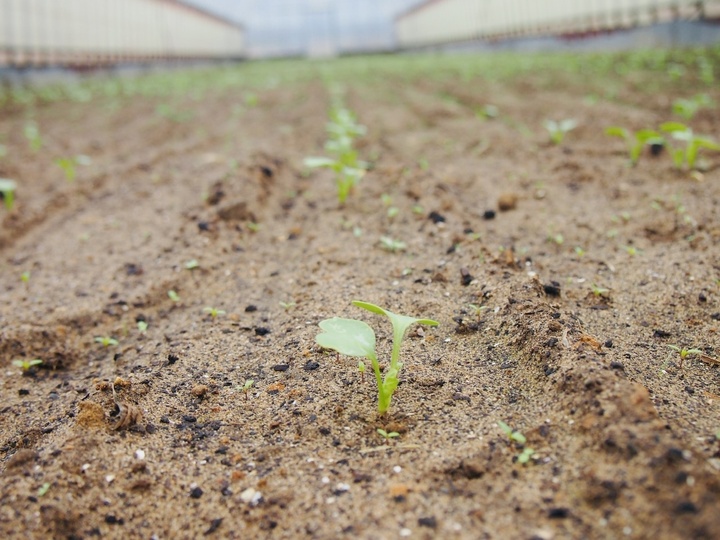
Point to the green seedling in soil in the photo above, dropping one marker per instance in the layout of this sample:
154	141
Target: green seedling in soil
525	455
42	490
392	212
558	130
7	192
424	164
142	326
387	436
253	227
27	365
632	250
172	295
213	312
287	305
687	108
32	134
418	210
69	164
361	369
599	291
487	112
192	264
580	252
693	144
512	434
684	353
106	341
557	239
392	245
245	388
356	338
477	309
25	276
636	141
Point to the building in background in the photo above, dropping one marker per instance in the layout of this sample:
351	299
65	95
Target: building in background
100	32
441	22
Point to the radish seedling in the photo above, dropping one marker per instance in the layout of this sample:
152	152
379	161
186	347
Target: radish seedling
32	134
636	141
106	341
512	434
684	353
172	295
687	108
389	244
214	312
245	388
142	326
356	338
27	365
558	130
693	144
7	191
387	436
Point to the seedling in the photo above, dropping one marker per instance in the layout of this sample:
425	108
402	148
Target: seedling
512	434
525	455
287	305
361	369
27	365
142	326
632	250
32	134
42	490
580	252
245	388
356	338
192	264
392	245
68	164
684	353
693	144
558	130
172	295
599	291
636	141
253	227
214	312
7	192
487	112
25	276
687	108
557	239
387	436
477	309
106	341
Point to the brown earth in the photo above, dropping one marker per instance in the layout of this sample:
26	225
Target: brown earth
624	438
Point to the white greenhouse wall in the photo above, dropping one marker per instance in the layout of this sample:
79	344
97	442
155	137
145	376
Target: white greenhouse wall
109	31
446	21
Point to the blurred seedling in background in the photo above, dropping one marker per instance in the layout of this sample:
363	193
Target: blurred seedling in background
287	305
519	439
192	264
172	295
487	112
687	108
245	388
392	245
142	326
558	130
253	227
25	277
7	191
387	436
213	312
106	341
32	134
580	252
599	291
693	144
632	250
357	339
27	365
69	164
477	310
638	140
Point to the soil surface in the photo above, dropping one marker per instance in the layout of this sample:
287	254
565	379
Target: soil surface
559	275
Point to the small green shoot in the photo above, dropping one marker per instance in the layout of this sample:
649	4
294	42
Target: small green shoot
477	309
287	305
42	490
557	239
389	244
512	434
27	365
213	312
361	369
387	436
684	353
487	112
142	326
632	250
580	252
525	455
558	130
7	192
693	144
245	388
106	341
32	134
192	264
356	338
687	108
636	141
253	227
599	291
25	276
172	295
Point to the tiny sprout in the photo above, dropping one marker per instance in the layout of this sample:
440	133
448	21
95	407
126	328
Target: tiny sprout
632	250
32	134
392	212
245	388
213	311
106	341
42	490
525	455
684	353
287	305
392	245
687	108
386	199
513	435
253	227
637	141
357	232
599	291
487	112
558	130
7	192
192	264
361	369
384	434
558	239
27	365
580	252
477	309
67	164
424	164
142	326
172	295
25	276
418	210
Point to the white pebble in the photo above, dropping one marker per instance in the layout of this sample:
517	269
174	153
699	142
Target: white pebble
397	469
139	454
405	532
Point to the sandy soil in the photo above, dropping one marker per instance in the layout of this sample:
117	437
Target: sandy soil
190	167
